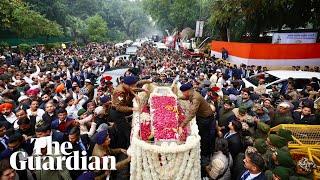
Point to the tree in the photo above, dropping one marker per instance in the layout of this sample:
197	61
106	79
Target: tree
159	11
17	17
126	18
315	17
56	10
250	18
96	28
224	14
129	21
177	14
6	12
29	23
76	28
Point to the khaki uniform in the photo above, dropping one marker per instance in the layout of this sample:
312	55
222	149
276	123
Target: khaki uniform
121	109
199	107
122	99
205	121
101	152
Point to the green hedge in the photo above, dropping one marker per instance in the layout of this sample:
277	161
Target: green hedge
12	41
24	47
55	45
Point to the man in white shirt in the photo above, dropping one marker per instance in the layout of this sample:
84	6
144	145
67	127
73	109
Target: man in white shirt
35	111
73	106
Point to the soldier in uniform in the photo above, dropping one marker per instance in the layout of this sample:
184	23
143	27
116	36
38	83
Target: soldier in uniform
200	109
122	108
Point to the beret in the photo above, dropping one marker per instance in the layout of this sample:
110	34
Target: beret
260	145
282	172
277	141
104	99
101	136
81	111
285	133
227	101
130	80
284	158
186	86
242	110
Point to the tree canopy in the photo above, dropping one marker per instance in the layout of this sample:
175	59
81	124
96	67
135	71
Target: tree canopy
19	18
235	20
124	19
96	28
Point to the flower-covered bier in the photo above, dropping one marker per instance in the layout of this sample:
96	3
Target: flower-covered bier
165	117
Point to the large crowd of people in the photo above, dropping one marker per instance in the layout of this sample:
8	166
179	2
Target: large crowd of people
67	94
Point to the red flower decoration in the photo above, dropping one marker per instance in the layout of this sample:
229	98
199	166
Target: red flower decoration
164	118
145	109
186	129
145	131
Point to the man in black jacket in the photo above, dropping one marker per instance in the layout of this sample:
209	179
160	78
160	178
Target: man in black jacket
50	113
234	138
3	137
305	117
80	144
254	164
44	129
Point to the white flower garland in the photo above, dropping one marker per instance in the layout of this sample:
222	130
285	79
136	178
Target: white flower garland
145	117
178	161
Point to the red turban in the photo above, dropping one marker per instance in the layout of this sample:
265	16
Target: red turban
6	106
60	88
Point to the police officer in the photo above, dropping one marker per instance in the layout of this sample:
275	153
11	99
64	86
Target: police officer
122	108
204	114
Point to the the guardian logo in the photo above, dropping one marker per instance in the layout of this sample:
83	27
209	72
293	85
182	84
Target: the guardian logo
56	156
